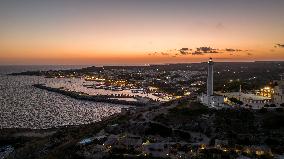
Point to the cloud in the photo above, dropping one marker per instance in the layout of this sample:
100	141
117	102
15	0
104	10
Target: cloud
165	53
153	53
220	26
249	54
173	52
232	50
184	51
207	50
198	51
158	53
279	45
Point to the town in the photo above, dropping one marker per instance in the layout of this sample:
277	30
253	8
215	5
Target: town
248	84
203	110
142	79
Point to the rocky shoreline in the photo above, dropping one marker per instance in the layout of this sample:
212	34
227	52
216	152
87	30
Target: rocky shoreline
24	138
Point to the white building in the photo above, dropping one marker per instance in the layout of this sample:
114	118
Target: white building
250	100
278	96
214	101
209	99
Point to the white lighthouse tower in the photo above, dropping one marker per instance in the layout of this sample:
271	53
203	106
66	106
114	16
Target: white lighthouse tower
210	99
210	91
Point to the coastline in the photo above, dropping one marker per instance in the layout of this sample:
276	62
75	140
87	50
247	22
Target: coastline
19	136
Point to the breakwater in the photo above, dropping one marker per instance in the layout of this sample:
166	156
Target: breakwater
84	96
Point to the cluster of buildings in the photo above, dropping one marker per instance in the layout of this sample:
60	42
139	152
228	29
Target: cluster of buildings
278	95
156	82
104	145
267	96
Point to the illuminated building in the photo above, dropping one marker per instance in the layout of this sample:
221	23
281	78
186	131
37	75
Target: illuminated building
266	92
252	100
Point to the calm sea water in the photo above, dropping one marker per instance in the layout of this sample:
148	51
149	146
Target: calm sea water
23	106
18	68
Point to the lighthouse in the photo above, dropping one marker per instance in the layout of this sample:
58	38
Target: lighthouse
210	99
210	78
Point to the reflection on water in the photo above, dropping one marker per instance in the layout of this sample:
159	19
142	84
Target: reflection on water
18	68
23	106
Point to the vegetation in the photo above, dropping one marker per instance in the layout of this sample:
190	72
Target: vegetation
158	129
236	101
191	109
230	123
273	121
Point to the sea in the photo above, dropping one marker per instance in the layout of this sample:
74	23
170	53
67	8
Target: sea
24	106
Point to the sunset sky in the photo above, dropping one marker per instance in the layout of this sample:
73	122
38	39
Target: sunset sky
136	32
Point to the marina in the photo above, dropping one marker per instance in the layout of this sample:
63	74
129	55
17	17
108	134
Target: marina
92	87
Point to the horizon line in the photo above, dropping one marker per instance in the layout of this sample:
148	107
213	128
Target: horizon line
138	64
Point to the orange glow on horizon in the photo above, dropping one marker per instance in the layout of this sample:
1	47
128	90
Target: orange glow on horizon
124	32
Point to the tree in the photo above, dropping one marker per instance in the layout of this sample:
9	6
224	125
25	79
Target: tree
236	101
272	105
263	110
279	109
266	105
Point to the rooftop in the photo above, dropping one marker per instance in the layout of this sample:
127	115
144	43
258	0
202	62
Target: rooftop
247	96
